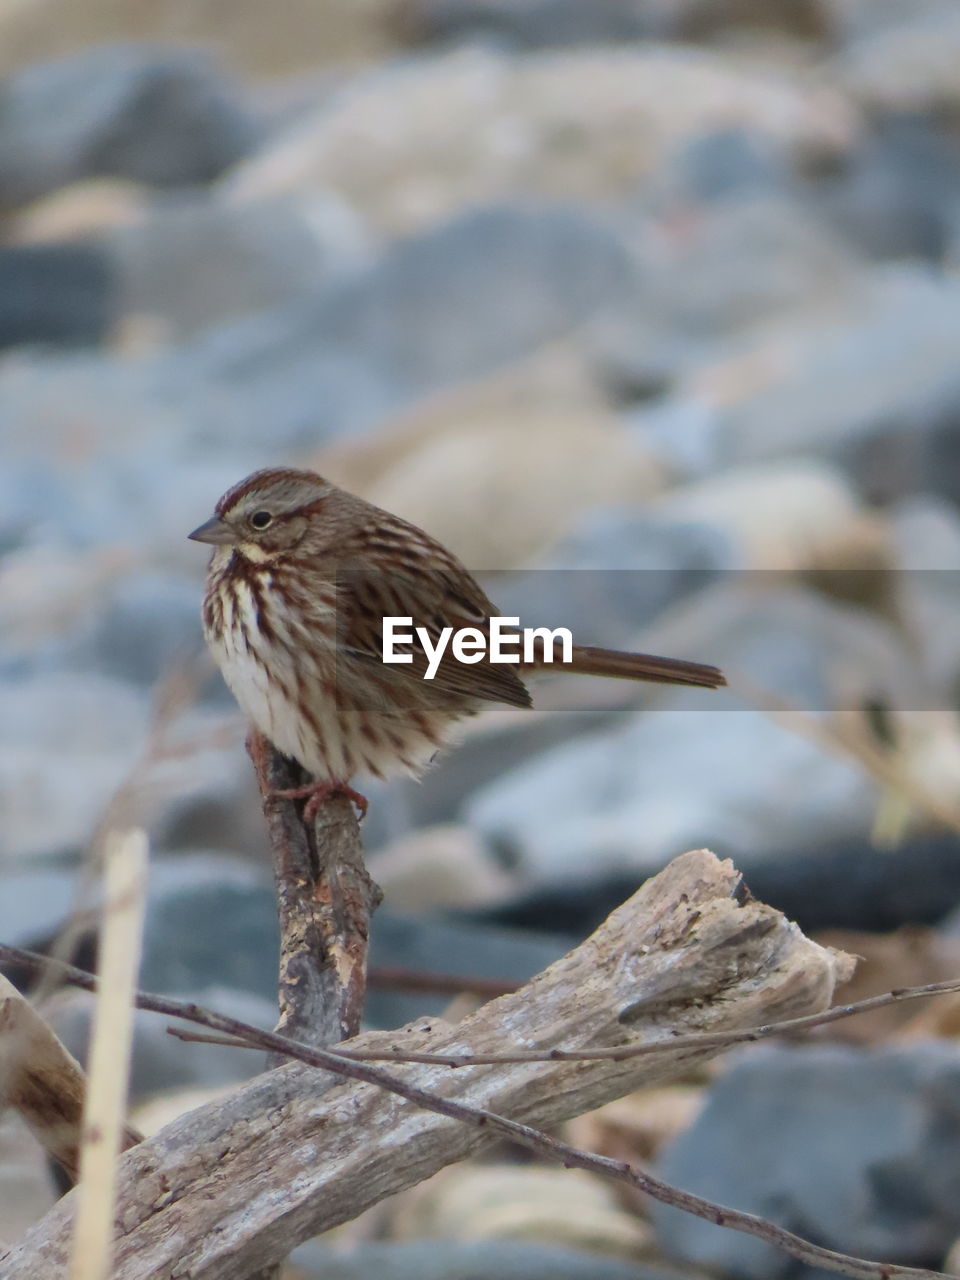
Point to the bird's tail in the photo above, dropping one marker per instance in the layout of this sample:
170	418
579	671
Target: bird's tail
618	665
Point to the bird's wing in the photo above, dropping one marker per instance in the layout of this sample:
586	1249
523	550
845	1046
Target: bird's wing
434	598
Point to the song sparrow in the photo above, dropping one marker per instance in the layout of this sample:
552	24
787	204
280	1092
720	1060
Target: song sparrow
299	583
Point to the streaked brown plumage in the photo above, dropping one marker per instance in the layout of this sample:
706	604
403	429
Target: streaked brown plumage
300	580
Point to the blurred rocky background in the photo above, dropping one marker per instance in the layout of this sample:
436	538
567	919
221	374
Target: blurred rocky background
650	310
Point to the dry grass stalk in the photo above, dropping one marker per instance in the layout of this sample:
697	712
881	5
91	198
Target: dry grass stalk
125	873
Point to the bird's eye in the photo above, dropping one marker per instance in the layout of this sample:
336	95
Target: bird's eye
260	519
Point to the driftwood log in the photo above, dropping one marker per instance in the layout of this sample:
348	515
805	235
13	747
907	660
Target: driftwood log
230	1188
43	1081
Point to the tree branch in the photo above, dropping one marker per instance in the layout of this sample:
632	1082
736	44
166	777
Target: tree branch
41	1080
324	899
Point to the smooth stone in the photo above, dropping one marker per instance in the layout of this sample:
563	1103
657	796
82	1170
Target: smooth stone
56	295
193	262
160	1062
459	1260
905	66
473	125
895	195
699	768
872	386
156	114
616	569
869	1136
851	885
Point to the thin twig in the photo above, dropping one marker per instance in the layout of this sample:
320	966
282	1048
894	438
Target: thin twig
696	1040
534	1139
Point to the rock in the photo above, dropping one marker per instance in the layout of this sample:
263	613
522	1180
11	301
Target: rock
66	742
617	569
906	66
477	126
95	611
427	315
640	791
849	885
508	1201
446	1260
535	24
438	868
869	1171
343	32
851	19
925	538
639	795
454	949
164	116
55	295
26	1188
538	468
162	1063
873	386
896	195
709	271
779	516
81	212
211	922
195	262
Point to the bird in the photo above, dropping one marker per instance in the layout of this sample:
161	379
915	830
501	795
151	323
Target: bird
300	580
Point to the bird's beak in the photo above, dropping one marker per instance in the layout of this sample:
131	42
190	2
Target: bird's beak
214	531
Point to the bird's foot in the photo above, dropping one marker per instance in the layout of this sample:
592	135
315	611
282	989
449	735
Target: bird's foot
316	792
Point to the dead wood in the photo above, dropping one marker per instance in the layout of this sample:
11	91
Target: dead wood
233	1186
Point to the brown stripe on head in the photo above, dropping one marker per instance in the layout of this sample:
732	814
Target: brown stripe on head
287	485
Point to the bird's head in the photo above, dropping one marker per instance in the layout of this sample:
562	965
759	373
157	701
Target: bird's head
267	515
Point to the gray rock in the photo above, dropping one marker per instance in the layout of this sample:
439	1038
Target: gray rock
875	384
211	922
460	949
66	742
160	1062
895	195
55	295
851	19
196	262
69	740
537	23
926	546
459	1260
431	312
722	164
906	65
36	899
164	116
851	1147
136	628
637	795
615	571
699	769
205	929
746	261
